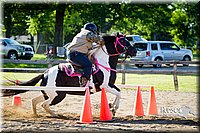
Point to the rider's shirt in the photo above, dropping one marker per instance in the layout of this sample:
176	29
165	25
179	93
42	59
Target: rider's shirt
82	42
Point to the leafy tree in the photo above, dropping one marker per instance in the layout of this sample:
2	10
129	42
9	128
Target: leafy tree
15	19
149	20
184	24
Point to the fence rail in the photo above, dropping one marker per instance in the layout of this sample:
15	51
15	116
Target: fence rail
51	62
70	89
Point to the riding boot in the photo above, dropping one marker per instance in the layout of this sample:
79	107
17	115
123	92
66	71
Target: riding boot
83	81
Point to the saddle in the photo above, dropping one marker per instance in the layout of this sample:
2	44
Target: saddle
73	69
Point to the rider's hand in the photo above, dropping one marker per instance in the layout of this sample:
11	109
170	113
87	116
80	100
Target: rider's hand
101	41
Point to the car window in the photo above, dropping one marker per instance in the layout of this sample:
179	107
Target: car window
129	38
10	41
168	46
172	46
137	38
154	46
2	43
164	46
141	46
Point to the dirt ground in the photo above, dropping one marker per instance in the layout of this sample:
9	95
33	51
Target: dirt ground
172	114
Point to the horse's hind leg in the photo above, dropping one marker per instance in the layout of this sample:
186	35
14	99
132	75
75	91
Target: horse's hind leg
35	101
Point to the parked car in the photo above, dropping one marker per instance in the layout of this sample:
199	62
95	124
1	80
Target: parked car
160	51
11	49
134	38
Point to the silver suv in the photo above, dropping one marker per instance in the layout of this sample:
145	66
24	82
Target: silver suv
160	51
11	49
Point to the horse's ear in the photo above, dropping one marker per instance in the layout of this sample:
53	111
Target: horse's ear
118	34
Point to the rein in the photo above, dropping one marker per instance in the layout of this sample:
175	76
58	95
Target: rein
107	68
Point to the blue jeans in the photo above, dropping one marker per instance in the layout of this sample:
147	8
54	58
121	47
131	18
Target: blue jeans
82	60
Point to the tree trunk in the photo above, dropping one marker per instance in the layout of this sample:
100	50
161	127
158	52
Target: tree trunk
58	39
9	26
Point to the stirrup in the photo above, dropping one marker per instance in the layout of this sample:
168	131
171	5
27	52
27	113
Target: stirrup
83	82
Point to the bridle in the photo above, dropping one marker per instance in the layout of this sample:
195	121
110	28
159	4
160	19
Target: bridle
117	42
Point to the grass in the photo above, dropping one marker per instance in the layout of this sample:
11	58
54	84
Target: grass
12	65
161	82
36	57
39	57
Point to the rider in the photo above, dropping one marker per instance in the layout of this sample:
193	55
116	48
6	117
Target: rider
79	49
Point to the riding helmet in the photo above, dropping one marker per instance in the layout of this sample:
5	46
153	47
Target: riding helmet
91	27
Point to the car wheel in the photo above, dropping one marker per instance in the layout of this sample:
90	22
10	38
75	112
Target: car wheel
139	65
12	55
186	58
157	65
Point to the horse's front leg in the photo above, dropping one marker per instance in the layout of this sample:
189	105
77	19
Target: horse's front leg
46	105
115	105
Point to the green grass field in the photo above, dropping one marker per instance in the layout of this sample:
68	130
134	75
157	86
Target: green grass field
161	82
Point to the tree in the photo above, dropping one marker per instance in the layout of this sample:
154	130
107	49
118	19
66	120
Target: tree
15	19
53	21
184	22
149	20
58	38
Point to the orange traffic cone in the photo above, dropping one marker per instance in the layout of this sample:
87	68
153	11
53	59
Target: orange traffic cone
105	114
86	114
138	104
152	108
17	101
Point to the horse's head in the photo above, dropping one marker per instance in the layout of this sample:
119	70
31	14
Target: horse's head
123	46
118	44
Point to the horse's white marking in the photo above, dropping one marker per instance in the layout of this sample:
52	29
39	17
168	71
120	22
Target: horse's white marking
52	74
51	81
103	59
35	101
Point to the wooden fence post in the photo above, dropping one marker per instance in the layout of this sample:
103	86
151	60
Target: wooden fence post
175	76
123	73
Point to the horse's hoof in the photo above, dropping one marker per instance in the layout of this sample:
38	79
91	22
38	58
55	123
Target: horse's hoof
53	116
36	115
113	112
110	105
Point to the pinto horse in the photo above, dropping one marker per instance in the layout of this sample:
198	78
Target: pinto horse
103	76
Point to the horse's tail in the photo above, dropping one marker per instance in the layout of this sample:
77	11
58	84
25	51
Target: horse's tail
31	82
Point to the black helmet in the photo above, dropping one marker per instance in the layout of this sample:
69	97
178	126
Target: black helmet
91	27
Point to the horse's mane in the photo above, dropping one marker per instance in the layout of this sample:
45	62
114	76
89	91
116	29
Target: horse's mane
108	38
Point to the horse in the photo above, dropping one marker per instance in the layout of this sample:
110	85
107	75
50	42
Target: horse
66	75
